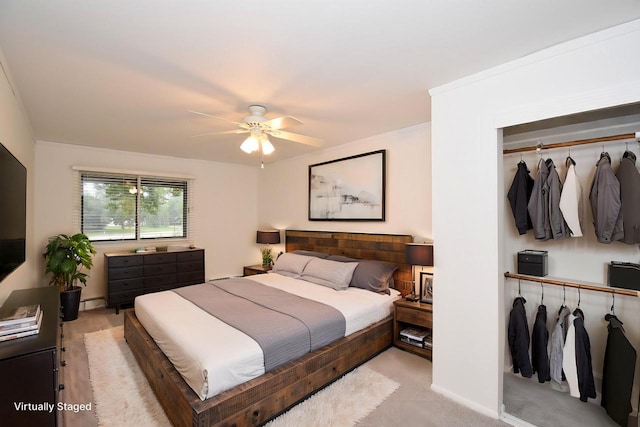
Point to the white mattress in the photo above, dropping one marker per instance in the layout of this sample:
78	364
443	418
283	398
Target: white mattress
213	357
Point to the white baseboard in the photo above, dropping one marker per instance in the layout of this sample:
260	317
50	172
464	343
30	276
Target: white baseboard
465	402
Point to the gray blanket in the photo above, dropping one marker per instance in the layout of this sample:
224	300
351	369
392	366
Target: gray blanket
285	326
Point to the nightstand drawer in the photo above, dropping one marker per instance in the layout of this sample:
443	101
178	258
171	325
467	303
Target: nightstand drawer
415	317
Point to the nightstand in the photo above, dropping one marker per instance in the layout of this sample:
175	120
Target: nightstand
407	314
250	270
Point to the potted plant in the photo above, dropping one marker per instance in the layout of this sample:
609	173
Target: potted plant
267	256
66	256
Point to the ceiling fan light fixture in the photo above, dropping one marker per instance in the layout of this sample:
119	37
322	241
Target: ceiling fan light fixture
250	145
267	146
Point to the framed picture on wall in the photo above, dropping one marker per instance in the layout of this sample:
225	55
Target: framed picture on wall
426	287
348	189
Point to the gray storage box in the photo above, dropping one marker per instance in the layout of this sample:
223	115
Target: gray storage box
533	263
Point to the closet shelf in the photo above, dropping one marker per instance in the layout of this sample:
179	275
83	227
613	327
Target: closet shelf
572	143
572	285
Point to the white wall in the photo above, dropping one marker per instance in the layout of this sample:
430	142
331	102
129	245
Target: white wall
283	186
597	71
224	198
16	135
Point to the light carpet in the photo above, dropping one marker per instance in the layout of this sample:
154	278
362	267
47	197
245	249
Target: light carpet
123	396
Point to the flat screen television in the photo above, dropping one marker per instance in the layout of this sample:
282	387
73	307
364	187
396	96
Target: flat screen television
13	212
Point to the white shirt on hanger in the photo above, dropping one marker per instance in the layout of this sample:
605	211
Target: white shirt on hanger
569	365
571	201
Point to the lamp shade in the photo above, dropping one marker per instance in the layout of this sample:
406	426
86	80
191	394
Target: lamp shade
419	254
268	236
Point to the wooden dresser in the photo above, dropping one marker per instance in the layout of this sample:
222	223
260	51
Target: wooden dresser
30	366
131	274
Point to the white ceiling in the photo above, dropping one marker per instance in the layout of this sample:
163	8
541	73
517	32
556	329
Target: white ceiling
123	74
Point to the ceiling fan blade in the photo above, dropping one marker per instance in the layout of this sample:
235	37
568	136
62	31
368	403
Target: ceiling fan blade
282	122
226	132
302	139
215	117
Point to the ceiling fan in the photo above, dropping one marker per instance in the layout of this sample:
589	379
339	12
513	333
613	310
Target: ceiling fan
259	128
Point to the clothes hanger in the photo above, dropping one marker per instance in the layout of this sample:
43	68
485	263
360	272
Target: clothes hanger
578	310
542	294
519	293
564	299
613	303
570	159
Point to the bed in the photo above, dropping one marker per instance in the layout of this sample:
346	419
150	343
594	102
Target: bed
259	399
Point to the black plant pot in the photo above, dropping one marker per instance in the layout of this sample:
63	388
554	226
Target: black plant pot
70	303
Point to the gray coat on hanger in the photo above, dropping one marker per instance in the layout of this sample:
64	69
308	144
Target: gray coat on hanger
629	178
538	205
544	204
605	202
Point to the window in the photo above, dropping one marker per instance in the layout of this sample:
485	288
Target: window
131	207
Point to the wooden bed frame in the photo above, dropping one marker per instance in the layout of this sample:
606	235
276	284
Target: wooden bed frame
261	399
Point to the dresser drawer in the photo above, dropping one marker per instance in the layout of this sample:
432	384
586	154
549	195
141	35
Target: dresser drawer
125	297
159	269
124	261
415	317
191	278
195	255
190	266
125	285
157	281
159	258
125	273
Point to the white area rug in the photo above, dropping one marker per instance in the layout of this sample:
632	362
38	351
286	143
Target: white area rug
123	396
121	393
341	404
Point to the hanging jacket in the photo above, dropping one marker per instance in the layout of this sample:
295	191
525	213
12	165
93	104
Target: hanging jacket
557	224
518	336
629	179
539	342
586	385
569	366
605	202
617	375
519	195
557	345
571	200
538	206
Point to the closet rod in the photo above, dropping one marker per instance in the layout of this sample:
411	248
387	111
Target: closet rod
572	143
572	285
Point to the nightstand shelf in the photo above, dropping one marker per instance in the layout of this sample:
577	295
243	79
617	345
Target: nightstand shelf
411	314
250	270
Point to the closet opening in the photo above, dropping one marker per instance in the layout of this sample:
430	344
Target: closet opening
579	258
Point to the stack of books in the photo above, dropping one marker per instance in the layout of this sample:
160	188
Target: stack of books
20	322
417	337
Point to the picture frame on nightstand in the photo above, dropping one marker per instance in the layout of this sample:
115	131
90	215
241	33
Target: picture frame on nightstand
426	287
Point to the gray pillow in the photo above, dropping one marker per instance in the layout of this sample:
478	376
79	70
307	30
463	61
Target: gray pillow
333	274
376	276
291	263
310	253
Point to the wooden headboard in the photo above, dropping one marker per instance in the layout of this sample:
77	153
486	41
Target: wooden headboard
380	247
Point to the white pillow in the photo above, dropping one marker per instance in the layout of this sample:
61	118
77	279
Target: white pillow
333	274
292	265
